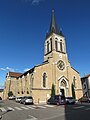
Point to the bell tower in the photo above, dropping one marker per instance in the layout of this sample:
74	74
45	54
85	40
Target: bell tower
54	42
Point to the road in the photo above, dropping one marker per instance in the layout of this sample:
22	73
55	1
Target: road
45	112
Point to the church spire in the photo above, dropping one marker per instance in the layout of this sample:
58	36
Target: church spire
53	25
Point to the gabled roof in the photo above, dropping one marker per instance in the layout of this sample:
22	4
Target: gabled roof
75	70
25	73
86	76
14	74
32	69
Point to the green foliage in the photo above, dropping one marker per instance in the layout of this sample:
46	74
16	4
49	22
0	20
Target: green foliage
73	92
53	90
10	93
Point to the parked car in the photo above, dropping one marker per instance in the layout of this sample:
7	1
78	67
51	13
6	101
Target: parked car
18	99
56	100
26	100
84	99
0	99
11	98
70	100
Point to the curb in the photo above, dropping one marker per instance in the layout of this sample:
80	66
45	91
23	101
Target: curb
0	117
0	110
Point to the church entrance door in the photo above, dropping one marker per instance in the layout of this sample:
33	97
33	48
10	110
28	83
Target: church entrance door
62	92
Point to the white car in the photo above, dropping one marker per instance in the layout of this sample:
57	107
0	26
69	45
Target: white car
11	98
18	99
26	100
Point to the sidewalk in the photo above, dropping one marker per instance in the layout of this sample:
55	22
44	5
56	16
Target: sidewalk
83	103
0	109
0	113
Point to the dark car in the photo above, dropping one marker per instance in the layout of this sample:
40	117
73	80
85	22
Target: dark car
0	98
84	99
26	100
57	100
70	100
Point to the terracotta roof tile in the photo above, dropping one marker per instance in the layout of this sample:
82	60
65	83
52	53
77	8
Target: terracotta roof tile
86	76
14	74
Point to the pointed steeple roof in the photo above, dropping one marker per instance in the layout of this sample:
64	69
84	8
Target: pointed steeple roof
53	25
61	33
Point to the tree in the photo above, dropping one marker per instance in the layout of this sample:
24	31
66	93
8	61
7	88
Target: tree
53	90
10	93
73	92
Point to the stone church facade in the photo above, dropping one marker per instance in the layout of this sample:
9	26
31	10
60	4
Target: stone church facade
55	69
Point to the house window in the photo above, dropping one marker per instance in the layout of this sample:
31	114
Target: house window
44	80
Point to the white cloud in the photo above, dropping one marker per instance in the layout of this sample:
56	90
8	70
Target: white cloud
2	69
26	69
7	69
10	69
34	2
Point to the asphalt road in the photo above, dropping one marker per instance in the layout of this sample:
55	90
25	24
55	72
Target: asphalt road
45	112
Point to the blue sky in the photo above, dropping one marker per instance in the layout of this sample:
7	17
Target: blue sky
23	26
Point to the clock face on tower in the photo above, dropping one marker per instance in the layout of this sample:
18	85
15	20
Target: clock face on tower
60	65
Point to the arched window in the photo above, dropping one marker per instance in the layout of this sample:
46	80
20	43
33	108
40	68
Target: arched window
44	80
63	83
27	91
51	43
56	45
32	80
74	82
18	92
61	48
22	92
47	46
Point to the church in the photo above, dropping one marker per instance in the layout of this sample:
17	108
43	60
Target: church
54	70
